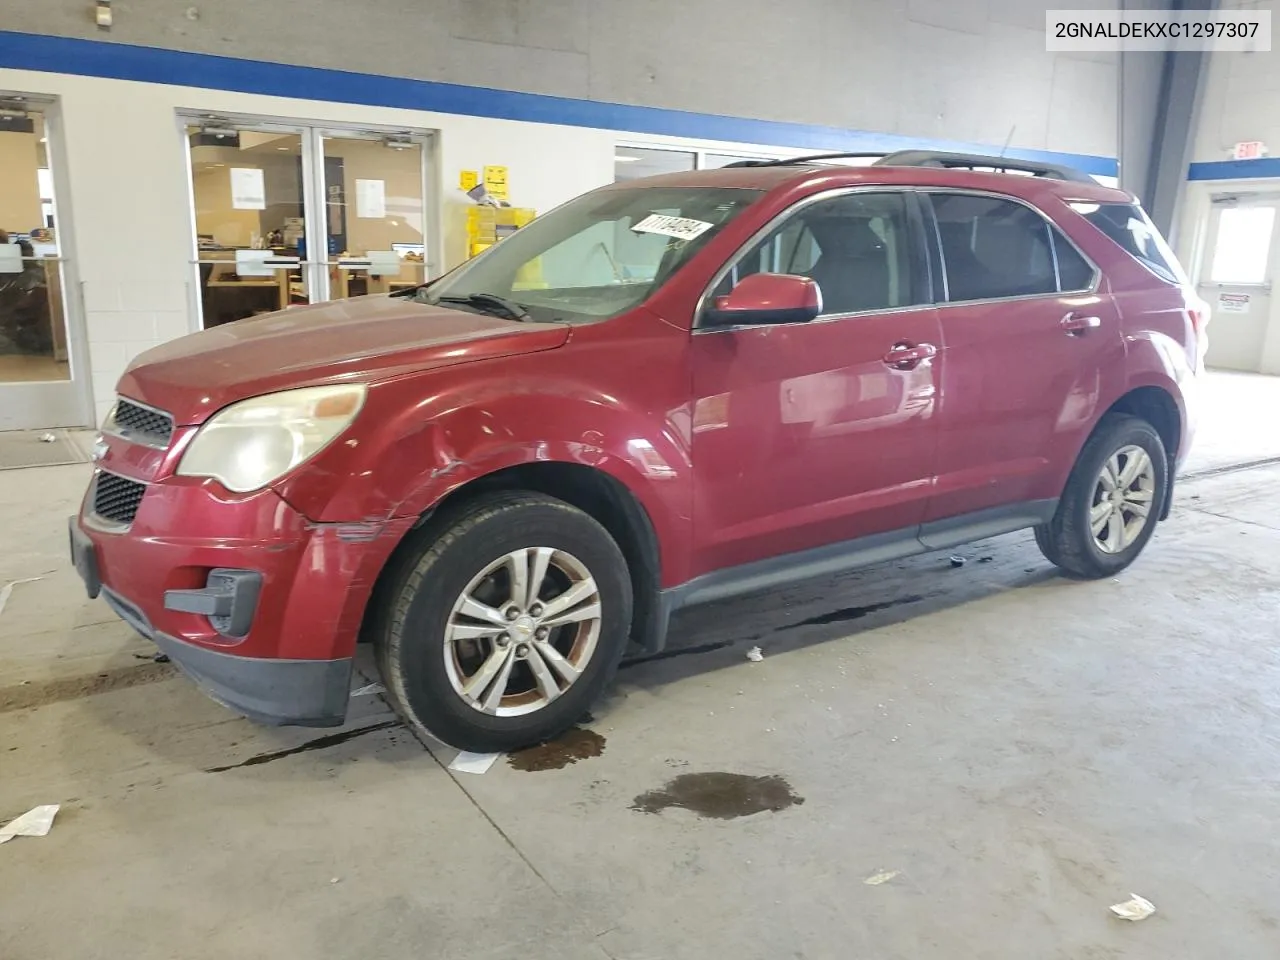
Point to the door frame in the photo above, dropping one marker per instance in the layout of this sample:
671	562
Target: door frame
312	133
1261	195
22	404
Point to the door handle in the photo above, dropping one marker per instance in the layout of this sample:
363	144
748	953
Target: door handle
908	356
1076	324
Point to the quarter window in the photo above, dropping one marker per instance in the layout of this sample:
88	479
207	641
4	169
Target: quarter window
856	246
1131	228
993	248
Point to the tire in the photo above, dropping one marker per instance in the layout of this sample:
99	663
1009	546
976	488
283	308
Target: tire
1068	540
437	658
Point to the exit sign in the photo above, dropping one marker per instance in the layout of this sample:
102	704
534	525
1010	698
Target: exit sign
1249	150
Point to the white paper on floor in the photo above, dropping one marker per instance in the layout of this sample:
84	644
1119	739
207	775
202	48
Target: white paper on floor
467	762
755	654
1137	908
36	822
369	688
7	590
878	878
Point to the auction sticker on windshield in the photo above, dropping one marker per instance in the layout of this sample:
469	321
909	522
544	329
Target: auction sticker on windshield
682	228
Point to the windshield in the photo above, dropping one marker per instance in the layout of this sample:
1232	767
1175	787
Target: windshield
593	258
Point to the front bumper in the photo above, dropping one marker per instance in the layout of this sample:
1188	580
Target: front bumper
307	693
289	661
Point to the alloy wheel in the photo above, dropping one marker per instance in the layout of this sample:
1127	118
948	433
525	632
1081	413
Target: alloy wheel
1123	496
522	631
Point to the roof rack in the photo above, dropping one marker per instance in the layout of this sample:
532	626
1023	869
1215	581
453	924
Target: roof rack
932	158
970	161
811	158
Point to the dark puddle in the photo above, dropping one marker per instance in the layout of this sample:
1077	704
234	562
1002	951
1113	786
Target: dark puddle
720	796
855	613
577	744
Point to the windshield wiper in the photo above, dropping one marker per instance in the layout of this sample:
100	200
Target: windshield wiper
489	303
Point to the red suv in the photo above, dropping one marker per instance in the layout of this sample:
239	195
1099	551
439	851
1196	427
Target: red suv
665	392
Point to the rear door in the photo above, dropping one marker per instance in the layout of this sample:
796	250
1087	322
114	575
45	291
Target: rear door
1033	346
814	433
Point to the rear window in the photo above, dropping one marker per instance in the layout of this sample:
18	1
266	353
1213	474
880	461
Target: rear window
1128	225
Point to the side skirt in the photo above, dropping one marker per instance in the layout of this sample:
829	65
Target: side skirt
791	568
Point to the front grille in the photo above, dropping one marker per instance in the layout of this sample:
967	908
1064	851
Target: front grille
116	498
143	424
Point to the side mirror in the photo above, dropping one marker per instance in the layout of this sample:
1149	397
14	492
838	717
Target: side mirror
767	298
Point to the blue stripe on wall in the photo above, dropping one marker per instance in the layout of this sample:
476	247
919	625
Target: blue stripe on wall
1235	169
92	58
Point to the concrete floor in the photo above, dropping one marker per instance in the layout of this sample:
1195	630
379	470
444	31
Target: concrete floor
1021	751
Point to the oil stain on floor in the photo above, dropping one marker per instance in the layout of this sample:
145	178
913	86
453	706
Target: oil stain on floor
575	745
857	613
720	796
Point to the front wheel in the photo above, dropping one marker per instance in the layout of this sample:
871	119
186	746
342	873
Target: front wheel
1112	502
509	624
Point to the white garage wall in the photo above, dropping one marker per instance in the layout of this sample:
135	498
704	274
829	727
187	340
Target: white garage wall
1241	98
967	70
125	213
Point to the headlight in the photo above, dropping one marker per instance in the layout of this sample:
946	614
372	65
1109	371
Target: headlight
253	442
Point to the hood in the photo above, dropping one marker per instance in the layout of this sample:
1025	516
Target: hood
366	339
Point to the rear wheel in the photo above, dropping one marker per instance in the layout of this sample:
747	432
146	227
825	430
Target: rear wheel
508	625
1112	502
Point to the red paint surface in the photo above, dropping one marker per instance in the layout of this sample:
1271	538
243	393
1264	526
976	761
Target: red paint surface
740	444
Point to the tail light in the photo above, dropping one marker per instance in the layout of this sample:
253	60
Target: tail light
1198	312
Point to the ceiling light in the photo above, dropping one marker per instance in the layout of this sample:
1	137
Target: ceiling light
619	158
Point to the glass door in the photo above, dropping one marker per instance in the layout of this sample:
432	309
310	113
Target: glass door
39	377
286	215
250	214
374	212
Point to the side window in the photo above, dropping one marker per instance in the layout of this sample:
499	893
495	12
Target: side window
993	247
1074	271
857	247
1130	227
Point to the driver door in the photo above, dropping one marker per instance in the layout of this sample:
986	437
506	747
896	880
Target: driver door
815	433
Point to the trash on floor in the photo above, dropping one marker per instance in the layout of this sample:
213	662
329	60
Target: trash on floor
985	559
368	689
1136	908
48	438
878	878
755	654
36	822
467	762
7	590
958	561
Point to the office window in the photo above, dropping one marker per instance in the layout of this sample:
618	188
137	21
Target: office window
856	247
632	163
713	161
993	247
